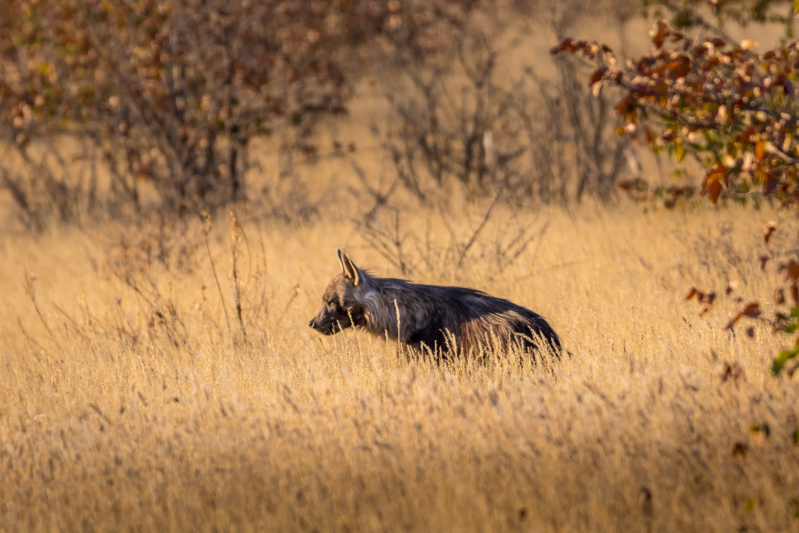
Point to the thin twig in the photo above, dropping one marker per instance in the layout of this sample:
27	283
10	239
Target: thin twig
31	290
236	291
206	229
480	227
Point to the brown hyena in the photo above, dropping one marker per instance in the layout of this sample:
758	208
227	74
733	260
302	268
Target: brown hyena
429	317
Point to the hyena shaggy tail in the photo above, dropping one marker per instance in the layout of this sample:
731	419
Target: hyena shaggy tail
431	317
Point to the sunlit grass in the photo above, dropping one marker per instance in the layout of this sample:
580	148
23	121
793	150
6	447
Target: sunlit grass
134	397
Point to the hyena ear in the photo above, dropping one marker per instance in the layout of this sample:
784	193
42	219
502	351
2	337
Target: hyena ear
351	272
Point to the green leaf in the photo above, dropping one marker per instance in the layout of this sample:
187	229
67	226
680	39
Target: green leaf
796	436
783	358
679	150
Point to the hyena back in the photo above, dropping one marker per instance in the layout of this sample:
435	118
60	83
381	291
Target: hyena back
445	319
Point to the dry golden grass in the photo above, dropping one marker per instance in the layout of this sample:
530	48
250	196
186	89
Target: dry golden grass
151	411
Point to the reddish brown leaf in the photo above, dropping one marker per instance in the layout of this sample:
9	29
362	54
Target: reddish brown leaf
714	191
752	310
713	182
566	44
787	87
791	270
795	293
693	292
669	135
680	67
739	449
733	321
750	332
710	64
659	33
732	371
624	106
779	296
770	185
769	230
597	75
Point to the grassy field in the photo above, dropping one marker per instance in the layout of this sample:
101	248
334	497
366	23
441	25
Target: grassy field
132	397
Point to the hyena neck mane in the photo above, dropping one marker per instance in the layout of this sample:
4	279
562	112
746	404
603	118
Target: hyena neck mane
383	298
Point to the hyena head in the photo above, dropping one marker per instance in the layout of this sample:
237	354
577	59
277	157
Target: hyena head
343	300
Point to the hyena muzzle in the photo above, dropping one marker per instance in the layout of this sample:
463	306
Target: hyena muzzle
429	317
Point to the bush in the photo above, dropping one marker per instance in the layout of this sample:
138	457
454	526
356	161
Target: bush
171	93
460	120
730	108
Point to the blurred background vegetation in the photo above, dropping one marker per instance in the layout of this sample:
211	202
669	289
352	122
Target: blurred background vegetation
292	107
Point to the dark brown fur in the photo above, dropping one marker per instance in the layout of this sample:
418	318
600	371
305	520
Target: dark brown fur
441	319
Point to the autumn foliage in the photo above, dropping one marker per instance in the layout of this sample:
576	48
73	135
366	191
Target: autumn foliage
173	92
732	109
